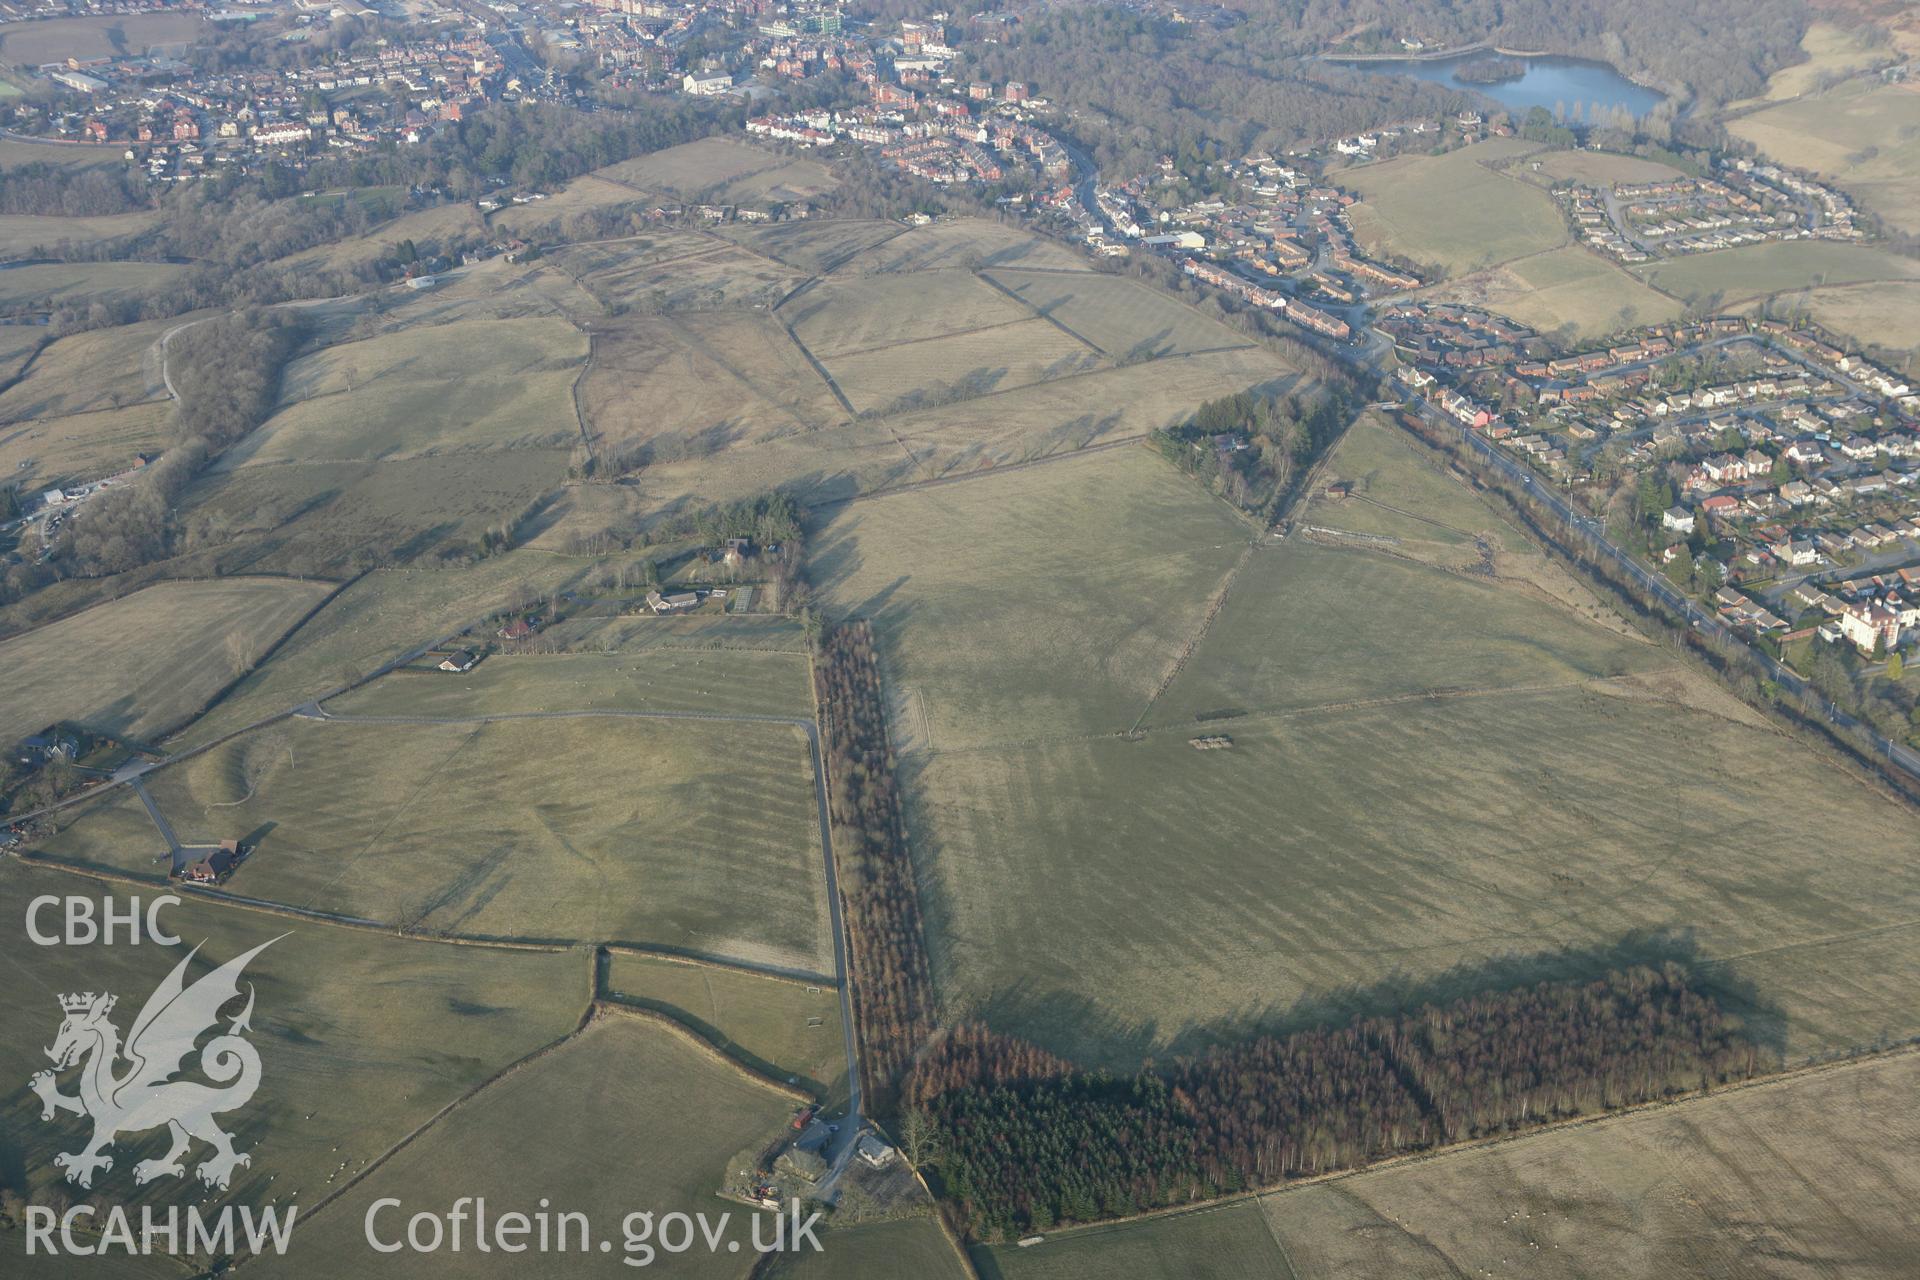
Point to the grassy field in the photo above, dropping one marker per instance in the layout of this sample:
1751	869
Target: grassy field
1118	317
18	342
692	383
66	283
147	662
970	243
1452	211
912	1247
15	154
1311	626
584	194
1832	51
695	169
864	313
22	234
962	438
782	1028
798	180
1597	168
1883	314
510	829
361	1038
931	371
29	44
723	682
1773	1181
1400	493
1043	602
1863	134
814	246
98	369
336	517
1567	292
1346	858
426	389
1736	275
42	453
685	272
628	1116
380	617
424	226
1433	773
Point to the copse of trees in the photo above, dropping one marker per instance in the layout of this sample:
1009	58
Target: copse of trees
59	191
1026	1141
1284	435
226	372
892	987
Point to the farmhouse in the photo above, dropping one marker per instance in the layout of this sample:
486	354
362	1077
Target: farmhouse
216	866
674	603
459	660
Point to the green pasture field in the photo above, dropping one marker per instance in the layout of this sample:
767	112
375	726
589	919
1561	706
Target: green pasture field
695	382
850	314
332	517
66	283
814	246
436	225
17	154
1568	292
1399	492
724	682
912	1247
969	364
1597	168
780	1027
1737	275
1671	1191
98	369
379	618
147	662
362	1038
1045	602
957	440
705	274
22	233
1119	318
760	633
1452	211
687	834
1223	1242
1882	314
30	44
42	453
694	168
585	194
1346	859
427	389
1863	134
967	243
1831	51
629	1116
798	180
18	342
1308	626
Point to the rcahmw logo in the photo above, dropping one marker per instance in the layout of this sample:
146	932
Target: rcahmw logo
129	1087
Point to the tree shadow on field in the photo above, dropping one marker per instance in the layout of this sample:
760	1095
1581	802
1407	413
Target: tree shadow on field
1065	1022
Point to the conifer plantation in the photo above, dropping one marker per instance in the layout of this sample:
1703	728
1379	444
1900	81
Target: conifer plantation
887	954
1028	1141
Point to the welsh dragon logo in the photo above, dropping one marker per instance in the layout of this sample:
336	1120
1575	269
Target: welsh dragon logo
141	1095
